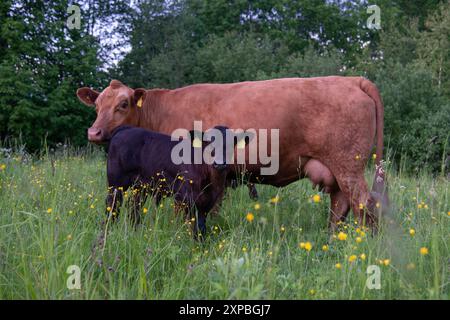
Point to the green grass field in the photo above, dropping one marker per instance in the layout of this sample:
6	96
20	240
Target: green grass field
51	209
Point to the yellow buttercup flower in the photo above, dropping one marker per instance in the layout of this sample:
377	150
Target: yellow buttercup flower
275	200
424	251
325	247
361	206
412	232
338	266
362	256
257	206
358	239
301	245
49	210
250	217
374	156
316	198
352	258
145	210
342	236
108	209
308	246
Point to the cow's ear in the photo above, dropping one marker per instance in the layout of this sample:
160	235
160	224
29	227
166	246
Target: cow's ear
87	96
139	97
196	138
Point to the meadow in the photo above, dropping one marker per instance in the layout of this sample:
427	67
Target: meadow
52	206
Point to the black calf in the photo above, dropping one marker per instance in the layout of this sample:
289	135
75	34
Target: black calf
142	159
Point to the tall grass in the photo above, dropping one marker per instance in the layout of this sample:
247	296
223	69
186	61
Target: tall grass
52	206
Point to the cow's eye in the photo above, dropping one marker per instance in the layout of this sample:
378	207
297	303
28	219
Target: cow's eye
123	105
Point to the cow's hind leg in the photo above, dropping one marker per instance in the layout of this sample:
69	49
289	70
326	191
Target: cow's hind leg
340	206
321	177
354	186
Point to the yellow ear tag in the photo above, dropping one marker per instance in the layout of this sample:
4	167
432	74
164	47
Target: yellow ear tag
139	103
197	143
241	144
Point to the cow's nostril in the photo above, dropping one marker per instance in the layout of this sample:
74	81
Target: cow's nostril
94	133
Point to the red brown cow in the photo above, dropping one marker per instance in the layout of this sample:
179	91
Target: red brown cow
327	128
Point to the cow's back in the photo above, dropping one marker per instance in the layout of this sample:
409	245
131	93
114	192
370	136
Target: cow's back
310	113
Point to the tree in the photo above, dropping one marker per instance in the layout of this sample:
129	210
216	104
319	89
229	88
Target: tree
40	72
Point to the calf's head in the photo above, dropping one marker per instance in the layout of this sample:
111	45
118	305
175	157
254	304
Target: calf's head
218	145
116	105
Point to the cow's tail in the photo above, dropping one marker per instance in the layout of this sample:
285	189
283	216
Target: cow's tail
379	185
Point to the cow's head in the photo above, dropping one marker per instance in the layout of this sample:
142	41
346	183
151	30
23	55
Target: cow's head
116	105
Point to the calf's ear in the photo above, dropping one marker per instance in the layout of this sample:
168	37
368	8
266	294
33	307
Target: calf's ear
139	97
87	96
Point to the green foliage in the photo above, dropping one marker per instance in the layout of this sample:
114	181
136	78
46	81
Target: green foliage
413	79
177	43
234	58
41	69
312	64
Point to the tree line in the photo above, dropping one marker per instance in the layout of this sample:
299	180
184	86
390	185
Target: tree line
169	44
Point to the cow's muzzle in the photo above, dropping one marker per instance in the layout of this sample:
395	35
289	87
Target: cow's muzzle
96	135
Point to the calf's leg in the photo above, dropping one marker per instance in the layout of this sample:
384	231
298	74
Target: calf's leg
252	192
139	197
198	224
113	202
